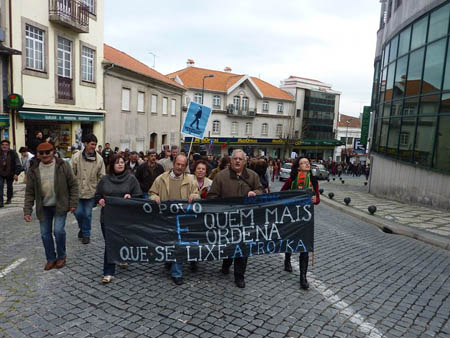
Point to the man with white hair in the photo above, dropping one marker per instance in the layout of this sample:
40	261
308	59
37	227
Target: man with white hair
236	181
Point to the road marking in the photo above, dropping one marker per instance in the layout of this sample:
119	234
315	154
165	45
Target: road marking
11	267
343	307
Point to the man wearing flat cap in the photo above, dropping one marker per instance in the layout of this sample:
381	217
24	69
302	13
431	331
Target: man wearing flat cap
10	169
52	185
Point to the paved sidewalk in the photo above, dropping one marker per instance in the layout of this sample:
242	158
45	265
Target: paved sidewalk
420	222
17	200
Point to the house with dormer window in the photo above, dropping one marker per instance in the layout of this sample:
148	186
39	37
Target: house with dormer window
247	112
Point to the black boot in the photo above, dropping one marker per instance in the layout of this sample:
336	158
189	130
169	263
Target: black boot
303	260
287	262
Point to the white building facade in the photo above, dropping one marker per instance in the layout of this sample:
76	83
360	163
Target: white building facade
348	131
59	73
315	118
248	113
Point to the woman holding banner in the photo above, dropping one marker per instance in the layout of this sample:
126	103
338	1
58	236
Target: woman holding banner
200	169
301	178
119	183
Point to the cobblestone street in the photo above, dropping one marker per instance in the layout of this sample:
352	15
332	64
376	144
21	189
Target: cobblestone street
365	283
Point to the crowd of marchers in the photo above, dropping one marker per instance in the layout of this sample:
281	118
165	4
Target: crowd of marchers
57	186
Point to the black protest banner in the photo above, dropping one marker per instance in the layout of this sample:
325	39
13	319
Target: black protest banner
141	231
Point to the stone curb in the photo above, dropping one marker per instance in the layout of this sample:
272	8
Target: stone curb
395	228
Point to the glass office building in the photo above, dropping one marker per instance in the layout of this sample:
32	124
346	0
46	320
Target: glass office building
410	136
411	90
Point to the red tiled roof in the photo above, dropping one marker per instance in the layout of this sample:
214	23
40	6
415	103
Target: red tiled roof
124	60
192	77
354	121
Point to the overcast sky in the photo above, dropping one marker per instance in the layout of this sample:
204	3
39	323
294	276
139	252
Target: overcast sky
328	40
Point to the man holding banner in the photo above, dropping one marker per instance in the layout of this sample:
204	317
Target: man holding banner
234	182
175	185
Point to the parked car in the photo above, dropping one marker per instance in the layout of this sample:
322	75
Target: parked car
319	171
285	171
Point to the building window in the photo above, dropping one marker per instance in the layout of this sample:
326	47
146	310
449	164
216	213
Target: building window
236	103
248	128
90	5
165	102
245	104
216	101
87	64
280	107
126	99
216	127
279	130
296	134
141	102
154	103
264	129
64	57
174	107
398	3
404	138
349	140
234	128
198	98
299	111
34	48
265	106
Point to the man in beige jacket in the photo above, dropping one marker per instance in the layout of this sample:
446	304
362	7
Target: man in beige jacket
175	185
89	168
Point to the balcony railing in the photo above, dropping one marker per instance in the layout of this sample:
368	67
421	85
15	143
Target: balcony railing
70	13
232	111
65	88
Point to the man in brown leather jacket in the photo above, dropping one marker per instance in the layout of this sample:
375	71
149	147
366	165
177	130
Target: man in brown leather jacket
236	181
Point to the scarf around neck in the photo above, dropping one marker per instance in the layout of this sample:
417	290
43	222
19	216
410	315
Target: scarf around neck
302	181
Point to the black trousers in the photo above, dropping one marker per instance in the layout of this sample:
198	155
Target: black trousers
9	187
240	264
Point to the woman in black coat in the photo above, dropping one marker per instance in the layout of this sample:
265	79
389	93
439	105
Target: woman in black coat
301	178
119	183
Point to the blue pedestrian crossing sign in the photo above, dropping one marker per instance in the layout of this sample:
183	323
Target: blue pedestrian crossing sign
196	120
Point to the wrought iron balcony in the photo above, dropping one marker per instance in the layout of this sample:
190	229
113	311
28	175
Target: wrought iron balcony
231	111
70	13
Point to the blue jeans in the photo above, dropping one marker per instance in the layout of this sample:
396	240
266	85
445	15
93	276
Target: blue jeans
108	269
177	270
83	214
58	231
145	195
9	187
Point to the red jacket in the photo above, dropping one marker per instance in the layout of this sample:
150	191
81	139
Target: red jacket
287	186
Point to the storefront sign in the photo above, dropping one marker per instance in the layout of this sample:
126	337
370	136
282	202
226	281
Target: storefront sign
14	101
365	125
4	120
141	231
53	116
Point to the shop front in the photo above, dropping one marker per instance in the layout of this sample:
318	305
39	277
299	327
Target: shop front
316	149
4	126
64	128
267	147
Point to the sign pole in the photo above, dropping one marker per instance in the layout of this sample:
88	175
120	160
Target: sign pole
13	127
190	148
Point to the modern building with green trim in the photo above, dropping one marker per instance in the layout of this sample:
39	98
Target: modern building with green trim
411	103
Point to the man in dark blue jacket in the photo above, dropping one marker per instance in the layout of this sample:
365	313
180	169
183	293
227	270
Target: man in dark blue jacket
10	168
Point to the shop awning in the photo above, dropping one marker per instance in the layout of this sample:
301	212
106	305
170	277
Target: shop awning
4	120
60	116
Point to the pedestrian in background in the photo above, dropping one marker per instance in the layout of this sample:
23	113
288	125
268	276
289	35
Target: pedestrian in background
175	184
167	162
37	140
147	173
224	163
119	183
53	187
89	168
10	169
236	181
301	179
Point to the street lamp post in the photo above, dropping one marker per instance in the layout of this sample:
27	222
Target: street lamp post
203	86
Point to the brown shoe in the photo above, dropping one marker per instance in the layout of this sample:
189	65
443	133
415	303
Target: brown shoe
60	263
49	266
